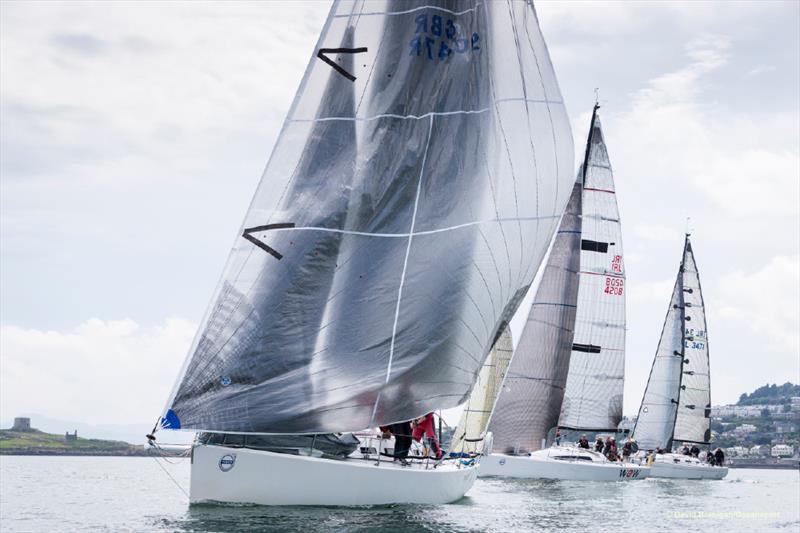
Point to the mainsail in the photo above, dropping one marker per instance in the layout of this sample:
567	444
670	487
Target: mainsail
407	205
693	420
677	401
593	395
470	432
530	402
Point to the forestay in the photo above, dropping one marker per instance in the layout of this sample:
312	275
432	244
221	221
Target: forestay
593	396
469	436
530	402
408	202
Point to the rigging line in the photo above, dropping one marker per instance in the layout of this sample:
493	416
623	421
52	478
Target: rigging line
172	478
407	11
405	266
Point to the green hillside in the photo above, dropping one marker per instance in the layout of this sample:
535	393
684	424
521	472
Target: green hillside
35	442
770	395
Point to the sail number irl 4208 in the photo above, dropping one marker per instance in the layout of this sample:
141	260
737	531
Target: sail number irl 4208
614	286
438	38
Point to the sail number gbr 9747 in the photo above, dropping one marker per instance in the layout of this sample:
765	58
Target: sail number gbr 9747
437	38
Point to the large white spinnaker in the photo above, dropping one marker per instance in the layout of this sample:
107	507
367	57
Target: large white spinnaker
593	395
390	240
407	205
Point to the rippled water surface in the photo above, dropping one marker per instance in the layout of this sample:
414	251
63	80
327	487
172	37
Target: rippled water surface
134	494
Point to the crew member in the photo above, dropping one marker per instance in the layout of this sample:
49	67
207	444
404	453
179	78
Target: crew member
425	425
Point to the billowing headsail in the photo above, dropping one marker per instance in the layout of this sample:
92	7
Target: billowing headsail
530	402
593	395
677	401
406	207
471	429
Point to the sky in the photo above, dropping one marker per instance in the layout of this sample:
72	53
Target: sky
132	137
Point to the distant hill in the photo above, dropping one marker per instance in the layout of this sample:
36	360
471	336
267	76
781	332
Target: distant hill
35	442
770	395
131	433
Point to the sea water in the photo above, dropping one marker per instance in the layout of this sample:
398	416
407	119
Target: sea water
42	494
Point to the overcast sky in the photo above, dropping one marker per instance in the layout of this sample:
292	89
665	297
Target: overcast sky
132	138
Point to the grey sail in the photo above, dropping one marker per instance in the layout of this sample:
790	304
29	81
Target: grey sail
677	401
530	402
405	209
693	419
593	395
656	417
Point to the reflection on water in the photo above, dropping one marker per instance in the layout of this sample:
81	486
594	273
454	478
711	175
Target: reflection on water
91	493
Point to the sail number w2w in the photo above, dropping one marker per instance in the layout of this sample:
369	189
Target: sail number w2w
440	38
614	286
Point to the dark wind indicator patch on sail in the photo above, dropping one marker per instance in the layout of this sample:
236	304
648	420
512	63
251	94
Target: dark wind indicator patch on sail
322	51
247	234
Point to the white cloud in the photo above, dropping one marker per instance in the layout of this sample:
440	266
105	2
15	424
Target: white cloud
100	372
766	303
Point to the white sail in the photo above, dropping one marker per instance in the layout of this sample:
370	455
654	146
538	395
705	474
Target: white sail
677	401
471	430
693	420
656	418
407	205
593	395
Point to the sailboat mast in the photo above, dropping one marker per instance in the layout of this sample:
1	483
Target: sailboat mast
589	143
682	306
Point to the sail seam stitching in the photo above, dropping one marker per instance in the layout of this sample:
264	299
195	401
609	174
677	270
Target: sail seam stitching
411	234
407	11
429	114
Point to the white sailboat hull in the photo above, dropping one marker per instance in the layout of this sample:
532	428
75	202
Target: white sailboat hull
241	475
676	466
543	465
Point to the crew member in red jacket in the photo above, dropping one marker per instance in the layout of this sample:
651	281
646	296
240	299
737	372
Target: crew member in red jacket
425	425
